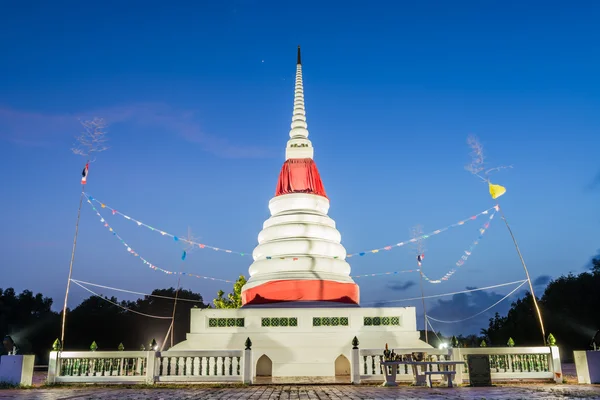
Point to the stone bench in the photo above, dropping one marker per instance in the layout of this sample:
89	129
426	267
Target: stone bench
448	374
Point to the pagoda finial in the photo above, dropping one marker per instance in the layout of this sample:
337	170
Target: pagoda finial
299	146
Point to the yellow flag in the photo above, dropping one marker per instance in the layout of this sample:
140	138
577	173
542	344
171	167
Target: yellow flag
496	190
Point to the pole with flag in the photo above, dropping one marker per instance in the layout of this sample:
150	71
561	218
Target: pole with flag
497	191
84	175
478	168
91	141
417	233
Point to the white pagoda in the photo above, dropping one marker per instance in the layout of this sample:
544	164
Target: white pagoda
299	256
300	306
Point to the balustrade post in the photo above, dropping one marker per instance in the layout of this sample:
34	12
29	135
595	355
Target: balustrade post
248	376
355	362
151	370
53	366
455	355
556	367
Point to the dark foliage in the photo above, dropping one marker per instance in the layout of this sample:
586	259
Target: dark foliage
34	326
570	307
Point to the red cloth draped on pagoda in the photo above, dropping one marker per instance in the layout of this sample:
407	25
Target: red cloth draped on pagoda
300	176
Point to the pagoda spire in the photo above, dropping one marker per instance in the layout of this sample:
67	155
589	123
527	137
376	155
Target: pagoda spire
299	146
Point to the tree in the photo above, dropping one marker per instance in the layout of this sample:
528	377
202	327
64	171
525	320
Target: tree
233	300
469	340
161	303
110	325
570	308
596	265
29	320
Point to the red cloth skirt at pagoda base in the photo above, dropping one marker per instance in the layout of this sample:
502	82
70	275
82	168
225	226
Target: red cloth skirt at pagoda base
302	290
300	175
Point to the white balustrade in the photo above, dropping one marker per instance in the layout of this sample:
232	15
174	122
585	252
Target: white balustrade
506	363
200	366
150	366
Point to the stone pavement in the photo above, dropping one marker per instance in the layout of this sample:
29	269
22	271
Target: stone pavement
313	392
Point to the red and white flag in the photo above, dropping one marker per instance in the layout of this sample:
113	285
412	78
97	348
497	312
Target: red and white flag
84	174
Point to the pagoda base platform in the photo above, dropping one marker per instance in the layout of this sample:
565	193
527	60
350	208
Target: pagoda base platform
302	340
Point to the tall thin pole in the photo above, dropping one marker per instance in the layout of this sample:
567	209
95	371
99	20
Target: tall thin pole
174	308
162	346
171	329
423	300
64	316
535	303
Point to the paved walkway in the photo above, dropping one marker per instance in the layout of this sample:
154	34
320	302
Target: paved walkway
528	392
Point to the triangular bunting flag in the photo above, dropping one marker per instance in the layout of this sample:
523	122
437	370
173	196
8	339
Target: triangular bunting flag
496	190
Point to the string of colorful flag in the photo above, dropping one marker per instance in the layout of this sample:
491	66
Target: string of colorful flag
131	251
463	259
154	267
422	237
294	258
465	256
385	273
162	232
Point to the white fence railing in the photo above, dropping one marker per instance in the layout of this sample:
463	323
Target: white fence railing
506	363
150	366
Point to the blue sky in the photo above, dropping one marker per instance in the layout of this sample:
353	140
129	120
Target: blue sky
198	96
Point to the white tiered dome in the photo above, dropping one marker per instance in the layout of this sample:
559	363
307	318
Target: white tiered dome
300	232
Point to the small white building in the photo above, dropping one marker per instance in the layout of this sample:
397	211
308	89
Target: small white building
300	306
300	339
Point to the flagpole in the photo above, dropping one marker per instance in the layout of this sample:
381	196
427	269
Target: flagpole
535	303
171	329
424	308
175	308
162	346
64	316
420	257
423	300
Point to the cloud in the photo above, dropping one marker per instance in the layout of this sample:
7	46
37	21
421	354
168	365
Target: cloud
401	286
33	129
465	305
26	128
542	280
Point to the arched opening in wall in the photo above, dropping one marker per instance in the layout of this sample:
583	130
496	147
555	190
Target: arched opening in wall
342	366
264	366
